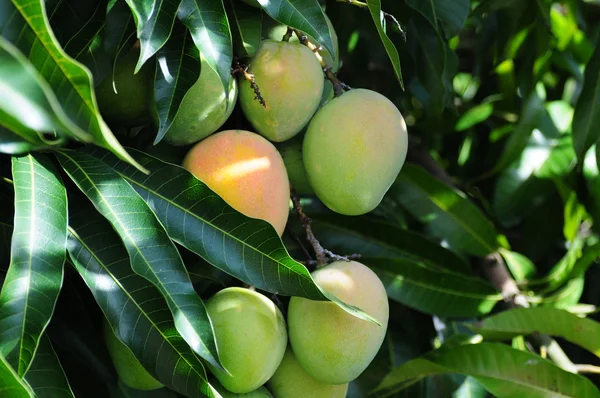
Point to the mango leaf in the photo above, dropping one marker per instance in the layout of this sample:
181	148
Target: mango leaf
452	14
519	265
502	370
209	26
154	20
38	251
567	296
451	216
177	69
433	292
390	48
133	307
11	385
247	26
153	255
587	111
25	25
477	114
304	15
550	321
198	219
45	375
377	239
13	144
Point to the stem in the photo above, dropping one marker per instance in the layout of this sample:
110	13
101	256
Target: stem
310	236
243	69
288	34
588	369
354	3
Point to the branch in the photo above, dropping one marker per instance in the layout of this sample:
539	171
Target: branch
588	369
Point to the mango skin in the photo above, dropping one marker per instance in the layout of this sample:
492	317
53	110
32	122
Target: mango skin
130	105
203	110
291	82
331	345
261	392
251	338
353	150
291	381
129	369
291	152
246	171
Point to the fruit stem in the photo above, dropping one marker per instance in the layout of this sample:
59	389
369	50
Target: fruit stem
338	86
243	69
288	34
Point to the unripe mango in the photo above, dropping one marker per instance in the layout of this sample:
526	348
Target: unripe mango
262	392
246	171
203	110
251	337
291	152
291	381
331	345
129	369
290	81
353	151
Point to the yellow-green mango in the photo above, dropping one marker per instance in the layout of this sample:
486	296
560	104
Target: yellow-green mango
353	150
291	152
290	81
130	104
203	110
331	345
129	369
251	337
261	392
291	381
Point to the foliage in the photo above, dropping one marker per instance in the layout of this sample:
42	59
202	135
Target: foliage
502	103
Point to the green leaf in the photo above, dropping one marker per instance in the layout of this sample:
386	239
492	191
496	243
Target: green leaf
304	15
390	48
433	292
209	26
550	321
377	239
153	255
25	25
521	268
503	371
452	14
13	144
451	216
247	24
587	109
198	219
11	385
477	114
38	251
45	375
177	69
132	305
154	20
567	296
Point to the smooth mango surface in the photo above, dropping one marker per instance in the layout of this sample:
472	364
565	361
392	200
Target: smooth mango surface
246	170
291	152
353	150
331	345
291	82
251	338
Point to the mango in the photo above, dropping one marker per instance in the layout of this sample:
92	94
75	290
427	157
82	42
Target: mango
261	392
291	381
331	345
129	105
274	30
246	171
291	152
131	372
353	150
251	337
203	110
290	81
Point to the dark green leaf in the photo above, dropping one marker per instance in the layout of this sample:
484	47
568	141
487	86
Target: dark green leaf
154	20
132	305
550	321
11	385
450	215
45	375
434	292
198	219
177	69
247	24
209	26
24	24
503	371
153	255
452	14
390	48
377	239
38	251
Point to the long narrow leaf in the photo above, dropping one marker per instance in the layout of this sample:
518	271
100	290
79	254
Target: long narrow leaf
11	385
153	255
390	48
38	251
